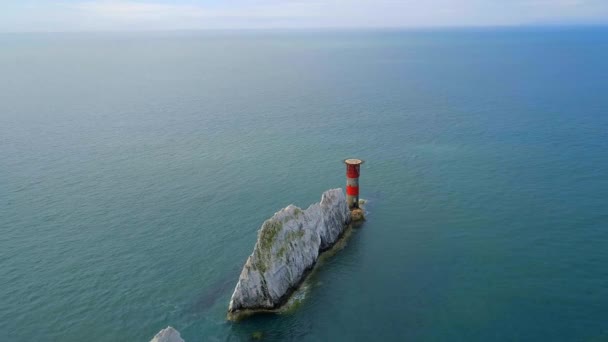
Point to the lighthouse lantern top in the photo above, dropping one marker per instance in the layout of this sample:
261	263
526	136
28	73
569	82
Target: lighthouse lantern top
353	161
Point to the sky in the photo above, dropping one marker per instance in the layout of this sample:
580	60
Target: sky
154	15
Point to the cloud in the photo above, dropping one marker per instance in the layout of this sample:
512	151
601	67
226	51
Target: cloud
131	15
130	10
554	3
113	15
138	10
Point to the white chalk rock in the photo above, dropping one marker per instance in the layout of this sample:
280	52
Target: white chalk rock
167	335
288	245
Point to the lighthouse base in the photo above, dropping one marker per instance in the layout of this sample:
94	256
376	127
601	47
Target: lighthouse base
357	215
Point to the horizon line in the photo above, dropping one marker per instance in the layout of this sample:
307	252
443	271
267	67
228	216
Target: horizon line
331	28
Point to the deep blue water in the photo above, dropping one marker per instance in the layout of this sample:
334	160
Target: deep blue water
135	170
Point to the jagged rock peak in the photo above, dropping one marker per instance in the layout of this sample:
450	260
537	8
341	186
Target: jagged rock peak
169	334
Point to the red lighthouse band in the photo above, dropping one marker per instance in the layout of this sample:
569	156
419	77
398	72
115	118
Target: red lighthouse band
352	182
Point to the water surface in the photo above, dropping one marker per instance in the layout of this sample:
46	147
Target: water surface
136	169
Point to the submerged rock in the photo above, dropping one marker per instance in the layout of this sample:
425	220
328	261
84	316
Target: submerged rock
288	246
167	335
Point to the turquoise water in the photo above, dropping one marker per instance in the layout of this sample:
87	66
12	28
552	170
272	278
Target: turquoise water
135	170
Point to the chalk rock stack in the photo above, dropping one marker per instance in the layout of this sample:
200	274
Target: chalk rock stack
167	335
287	247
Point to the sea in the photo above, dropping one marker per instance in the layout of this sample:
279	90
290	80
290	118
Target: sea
137	168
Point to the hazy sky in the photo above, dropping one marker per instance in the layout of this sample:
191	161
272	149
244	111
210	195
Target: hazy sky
86	15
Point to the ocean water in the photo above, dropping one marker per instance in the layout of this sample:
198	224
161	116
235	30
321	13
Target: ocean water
135	170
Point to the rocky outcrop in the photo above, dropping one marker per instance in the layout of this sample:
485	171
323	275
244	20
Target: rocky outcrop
287	247
167	335
357	215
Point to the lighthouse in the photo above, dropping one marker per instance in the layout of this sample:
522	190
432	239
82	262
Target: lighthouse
352	182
